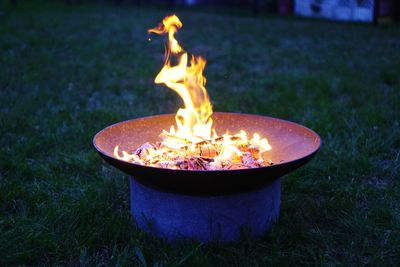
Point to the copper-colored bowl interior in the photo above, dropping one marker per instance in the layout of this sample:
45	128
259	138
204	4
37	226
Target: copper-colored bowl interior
292	144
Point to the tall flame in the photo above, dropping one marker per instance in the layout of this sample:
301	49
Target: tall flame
194	144
194	120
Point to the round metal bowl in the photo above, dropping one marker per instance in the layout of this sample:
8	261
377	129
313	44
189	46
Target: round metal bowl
293	145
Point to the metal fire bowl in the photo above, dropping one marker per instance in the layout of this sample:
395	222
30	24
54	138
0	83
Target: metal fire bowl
293	145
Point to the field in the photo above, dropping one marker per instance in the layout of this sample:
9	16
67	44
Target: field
67	72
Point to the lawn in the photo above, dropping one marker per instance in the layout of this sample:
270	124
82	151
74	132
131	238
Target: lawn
67	72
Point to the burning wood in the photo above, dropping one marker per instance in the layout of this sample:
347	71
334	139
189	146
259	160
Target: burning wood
221	153
194	145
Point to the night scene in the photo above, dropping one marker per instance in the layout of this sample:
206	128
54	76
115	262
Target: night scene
200	133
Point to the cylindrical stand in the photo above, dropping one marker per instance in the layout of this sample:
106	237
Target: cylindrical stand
174	216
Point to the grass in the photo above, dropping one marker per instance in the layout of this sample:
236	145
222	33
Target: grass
68	72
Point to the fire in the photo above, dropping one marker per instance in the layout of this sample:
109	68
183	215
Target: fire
194	120
193	144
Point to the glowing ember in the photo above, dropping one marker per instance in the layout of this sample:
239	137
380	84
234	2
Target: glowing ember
194	144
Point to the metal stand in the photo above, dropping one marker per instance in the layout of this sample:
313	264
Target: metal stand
205	218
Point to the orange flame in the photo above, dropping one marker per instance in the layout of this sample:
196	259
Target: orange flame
194	123
188	81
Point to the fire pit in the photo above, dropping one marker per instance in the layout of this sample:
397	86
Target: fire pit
177	189
208	205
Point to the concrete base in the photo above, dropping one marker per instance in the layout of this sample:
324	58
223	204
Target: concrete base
205	218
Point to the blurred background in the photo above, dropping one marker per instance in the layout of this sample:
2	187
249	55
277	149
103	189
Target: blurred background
348	10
